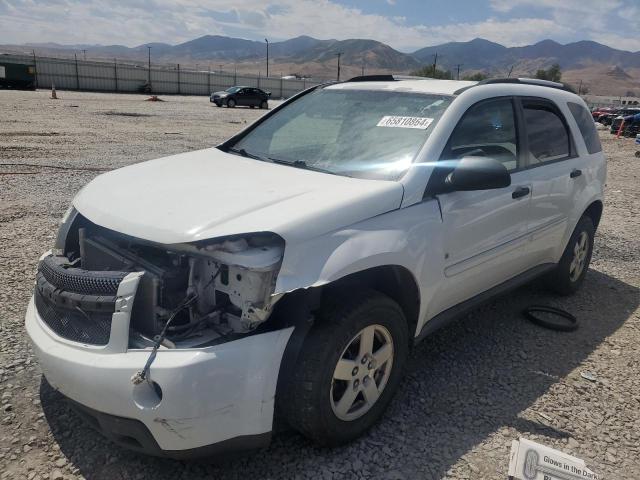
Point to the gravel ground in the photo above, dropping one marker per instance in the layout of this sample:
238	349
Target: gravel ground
470	389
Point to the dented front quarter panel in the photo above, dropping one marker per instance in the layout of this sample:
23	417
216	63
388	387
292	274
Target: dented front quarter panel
407	237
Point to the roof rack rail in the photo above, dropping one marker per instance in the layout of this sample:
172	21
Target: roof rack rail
372	78
386	78
522	81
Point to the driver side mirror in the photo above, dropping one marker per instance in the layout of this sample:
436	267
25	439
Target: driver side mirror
477	173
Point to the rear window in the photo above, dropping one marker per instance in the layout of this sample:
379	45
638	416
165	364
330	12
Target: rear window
587	127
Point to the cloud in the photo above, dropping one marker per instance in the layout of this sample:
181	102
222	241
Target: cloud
133	22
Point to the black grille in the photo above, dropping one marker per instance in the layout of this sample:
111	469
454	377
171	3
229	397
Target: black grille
79	326
80	281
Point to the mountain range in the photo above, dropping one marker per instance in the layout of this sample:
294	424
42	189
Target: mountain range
602	68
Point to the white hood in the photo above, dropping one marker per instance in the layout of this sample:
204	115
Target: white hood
209	193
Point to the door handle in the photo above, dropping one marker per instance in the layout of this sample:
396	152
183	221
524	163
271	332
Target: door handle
520	192
575	173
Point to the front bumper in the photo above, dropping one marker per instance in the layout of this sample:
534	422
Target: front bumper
215	395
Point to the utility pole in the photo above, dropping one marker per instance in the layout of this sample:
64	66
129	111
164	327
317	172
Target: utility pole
220	70
458	70
267	57
84	53
362	69
149	67
580	87
435	63
75	55
510	70
35	67
115	72
339	54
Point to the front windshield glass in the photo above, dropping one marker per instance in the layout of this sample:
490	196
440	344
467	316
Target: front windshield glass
359	133
232	89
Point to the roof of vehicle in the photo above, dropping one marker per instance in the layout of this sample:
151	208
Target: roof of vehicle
442	87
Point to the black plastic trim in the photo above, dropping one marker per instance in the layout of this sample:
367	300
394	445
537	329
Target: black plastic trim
457	311
77	280
134	435
373	78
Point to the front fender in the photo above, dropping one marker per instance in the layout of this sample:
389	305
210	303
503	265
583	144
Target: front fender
410	237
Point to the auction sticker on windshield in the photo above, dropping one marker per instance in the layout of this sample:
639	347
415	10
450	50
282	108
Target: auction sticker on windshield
405	122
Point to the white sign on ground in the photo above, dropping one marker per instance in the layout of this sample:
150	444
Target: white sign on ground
533	461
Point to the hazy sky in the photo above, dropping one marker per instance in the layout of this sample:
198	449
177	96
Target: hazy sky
403	24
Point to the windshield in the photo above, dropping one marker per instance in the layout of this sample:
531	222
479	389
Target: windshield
232	89
359	133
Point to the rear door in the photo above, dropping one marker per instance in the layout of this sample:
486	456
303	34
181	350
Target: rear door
484	231
255	97
554	170
242	97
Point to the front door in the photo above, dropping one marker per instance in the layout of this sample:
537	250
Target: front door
485	231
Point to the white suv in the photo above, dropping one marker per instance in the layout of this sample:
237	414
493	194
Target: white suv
287	272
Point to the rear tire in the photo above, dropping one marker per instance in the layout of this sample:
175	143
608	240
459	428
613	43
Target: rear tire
568	276
349	368
231	103
264	105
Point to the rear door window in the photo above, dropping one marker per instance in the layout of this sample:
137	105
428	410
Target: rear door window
587	127
547	132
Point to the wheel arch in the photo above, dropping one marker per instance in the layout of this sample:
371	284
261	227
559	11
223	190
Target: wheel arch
394	281
297	308
594	211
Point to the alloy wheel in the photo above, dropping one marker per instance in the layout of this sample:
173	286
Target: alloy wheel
362	372
580	251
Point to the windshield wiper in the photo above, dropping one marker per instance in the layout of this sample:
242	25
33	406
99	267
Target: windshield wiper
296	163
305	166
242	152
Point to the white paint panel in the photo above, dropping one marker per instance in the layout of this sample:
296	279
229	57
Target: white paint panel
209	394
209	193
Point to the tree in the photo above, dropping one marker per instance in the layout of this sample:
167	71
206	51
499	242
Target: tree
476	77
553	73
430	72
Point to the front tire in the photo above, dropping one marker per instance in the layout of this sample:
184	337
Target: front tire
231	103
568	276
349	368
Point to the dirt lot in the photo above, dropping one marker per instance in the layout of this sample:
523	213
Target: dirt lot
469	390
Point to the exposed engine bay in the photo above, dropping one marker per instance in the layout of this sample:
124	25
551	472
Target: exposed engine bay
190	295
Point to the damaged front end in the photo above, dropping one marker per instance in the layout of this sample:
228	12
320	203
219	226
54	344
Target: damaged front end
188	295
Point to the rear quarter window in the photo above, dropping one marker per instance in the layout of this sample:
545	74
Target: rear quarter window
587	127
